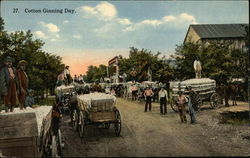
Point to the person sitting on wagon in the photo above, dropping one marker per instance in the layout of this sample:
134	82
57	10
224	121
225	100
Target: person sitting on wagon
29	100
181	100
191	101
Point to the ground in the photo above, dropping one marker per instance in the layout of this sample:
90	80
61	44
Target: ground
146	134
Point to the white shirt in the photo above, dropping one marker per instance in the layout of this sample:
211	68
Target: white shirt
66	72
197	65
163	94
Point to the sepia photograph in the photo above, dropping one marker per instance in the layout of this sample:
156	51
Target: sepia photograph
124	78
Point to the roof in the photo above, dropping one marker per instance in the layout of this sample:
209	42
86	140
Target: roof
206	31
220	30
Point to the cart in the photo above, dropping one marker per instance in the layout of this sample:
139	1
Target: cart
29	134
204	87
96	109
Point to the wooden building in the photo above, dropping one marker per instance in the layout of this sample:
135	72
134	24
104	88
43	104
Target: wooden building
232	34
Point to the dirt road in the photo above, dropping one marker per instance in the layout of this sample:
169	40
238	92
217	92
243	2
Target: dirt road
147	134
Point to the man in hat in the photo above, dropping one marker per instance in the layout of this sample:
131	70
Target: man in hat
163	97
191	101
8	84
181	100
67	75
23	81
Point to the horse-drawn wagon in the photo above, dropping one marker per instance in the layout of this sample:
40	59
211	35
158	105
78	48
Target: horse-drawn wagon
204	87
29	133
96	109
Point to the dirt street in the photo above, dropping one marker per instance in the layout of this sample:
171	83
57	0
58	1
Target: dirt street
147	134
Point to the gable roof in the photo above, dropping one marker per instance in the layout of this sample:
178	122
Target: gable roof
220	30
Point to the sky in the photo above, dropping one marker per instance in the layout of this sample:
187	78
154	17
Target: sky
87	33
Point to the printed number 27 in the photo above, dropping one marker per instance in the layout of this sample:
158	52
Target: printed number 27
15	10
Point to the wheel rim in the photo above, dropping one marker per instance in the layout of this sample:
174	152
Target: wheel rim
118	123
215	100
174	106
81	126
197	107
75	120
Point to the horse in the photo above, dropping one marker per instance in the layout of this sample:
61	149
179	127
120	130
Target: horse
226	91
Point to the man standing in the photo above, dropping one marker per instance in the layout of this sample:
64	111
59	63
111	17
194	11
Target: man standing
148	95
8	84
23	81
163	97
197	68
67	75
181	100
191	101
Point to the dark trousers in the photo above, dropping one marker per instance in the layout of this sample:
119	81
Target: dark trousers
163	105
148	102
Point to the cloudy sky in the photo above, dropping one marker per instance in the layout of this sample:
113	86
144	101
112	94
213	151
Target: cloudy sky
99	30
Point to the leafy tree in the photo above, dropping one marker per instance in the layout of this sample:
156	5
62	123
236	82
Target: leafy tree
43	67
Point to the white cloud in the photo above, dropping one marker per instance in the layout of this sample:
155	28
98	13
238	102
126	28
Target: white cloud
168	18
104	11
77	36
151	22
187	17
52	27
40	34
128	29
124	21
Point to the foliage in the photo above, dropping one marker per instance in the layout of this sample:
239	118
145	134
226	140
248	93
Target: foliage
96	73
219	61
143	60
42	68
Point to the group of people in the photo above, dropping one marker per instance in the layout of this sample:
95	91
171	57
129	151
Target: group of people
79	79
181	102
14	85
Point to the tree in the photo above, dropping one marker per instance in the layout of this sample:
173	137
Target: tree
43	67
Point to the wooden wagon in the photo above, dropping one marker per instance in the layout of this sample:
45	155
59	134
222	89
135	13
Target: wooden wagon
24	134
204	87
96	109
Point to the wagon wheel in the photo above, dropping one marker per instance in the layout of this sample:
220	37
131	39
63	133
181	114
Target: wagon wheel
198	104
118	124
75	120
82	124
215	100
174	106
60	144
54	147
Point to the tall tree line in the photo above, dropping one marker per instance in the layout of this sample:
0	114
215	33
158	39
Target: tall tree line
42	68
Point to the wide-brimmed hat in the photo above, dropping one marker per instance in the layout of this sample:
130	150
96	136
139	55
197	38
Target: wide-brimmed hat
22	62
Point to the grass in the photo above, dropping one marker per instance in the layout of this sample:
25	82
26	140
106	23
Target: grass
238	118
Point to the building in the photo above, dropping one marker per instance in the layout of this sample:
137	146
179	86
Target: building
232	34
114	63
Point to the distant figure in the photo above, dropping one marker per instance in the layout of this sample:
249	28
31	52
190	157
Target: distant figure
8	84
163	97
149	75
29	100
80	79
75	79
60	79
23	83
67	75
197	68
148	95
181	100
